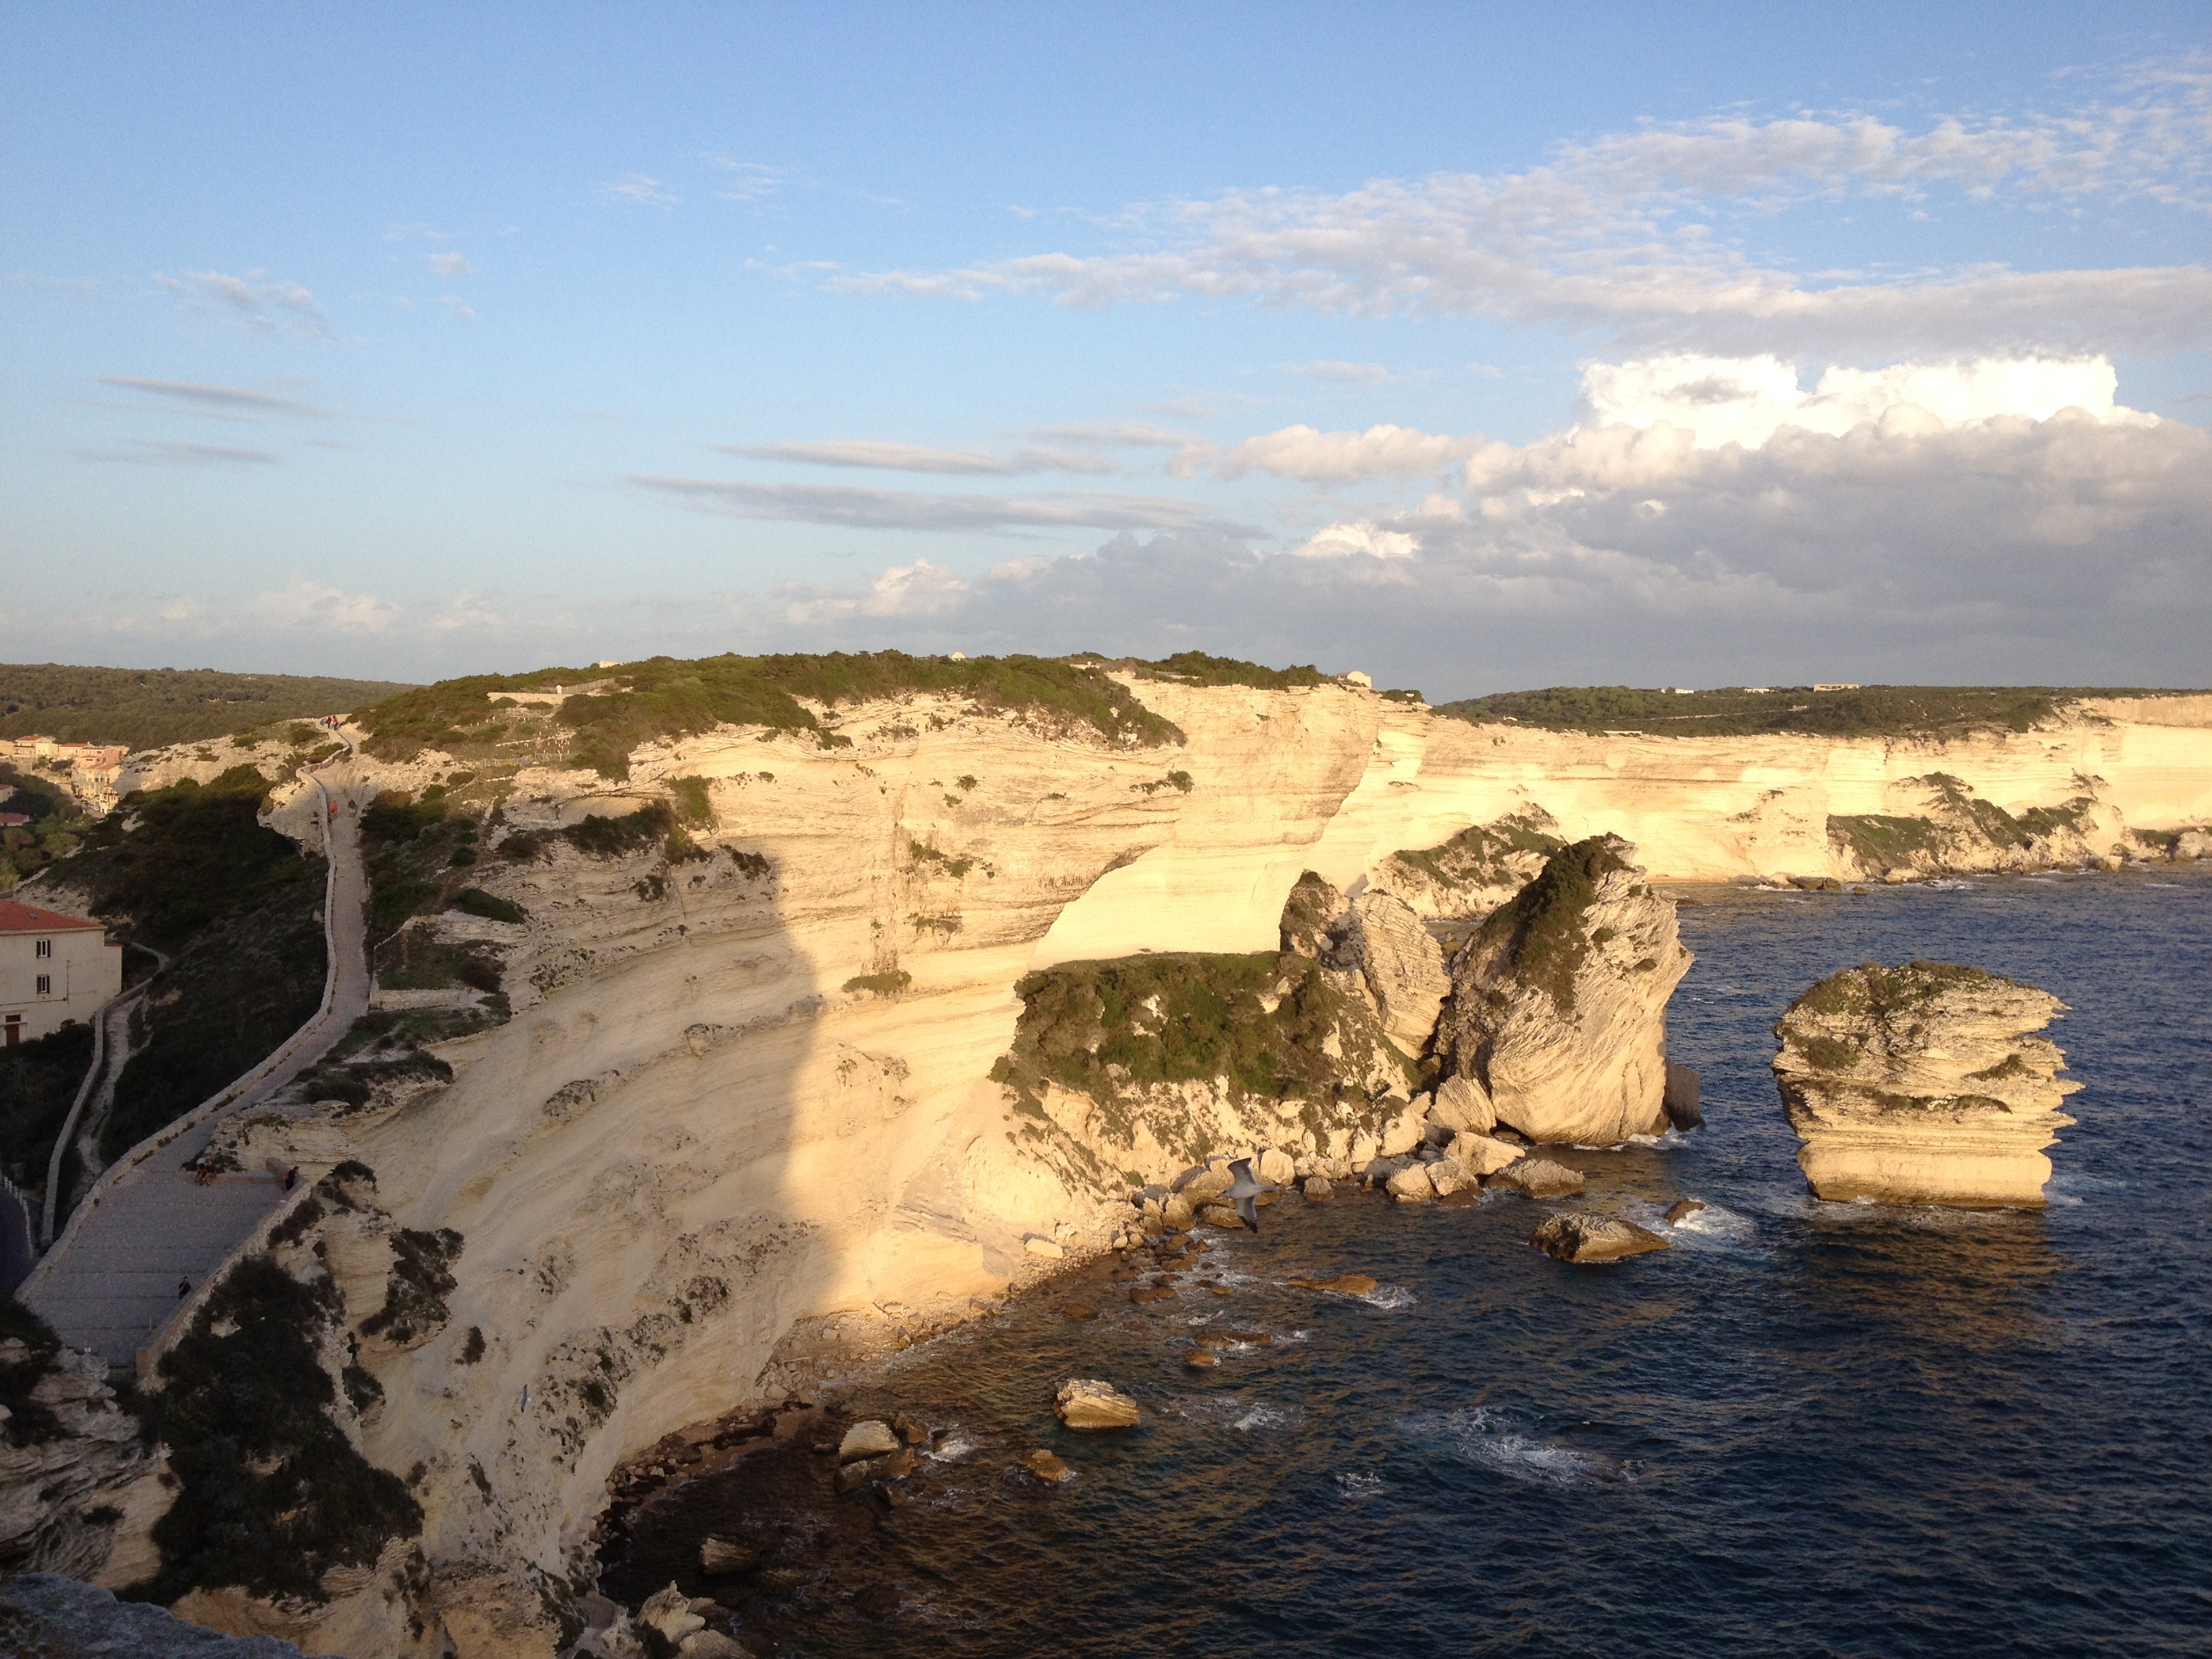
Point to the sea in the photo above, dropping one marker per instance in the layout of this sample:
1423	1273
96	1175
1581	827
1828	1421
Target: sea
1807	1429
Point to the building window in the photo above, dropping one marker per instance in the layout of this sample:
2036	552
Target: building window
46	947
46	985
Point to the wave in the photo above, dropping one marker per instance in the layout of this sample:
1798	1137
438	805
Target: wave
1354	1487
1492	1439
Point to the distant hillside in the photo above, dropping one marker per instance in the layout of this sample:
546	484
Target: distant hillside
142	708
1862	712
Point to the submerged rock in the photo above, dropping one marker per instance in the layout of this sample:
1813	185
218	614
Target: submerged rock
1924	1084
1045	1466
1682	1209
1539	1177
1342	1285
1583	1239
1558	1004
719	1557
1317	1189
1087	1403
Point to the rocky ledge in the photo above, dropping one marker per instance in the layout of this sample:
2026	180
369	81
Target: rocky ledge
1924	1084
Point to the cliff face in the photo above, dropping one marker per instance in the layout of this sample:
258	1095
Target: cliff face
1558	1004
1924	1084
736	1125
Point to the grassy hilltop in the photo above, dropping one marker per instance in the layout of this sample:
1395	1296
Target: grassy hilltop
145	707
1870	711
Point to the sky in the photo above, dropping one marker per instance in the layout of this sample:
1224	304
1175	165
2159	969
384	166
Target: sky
1476	347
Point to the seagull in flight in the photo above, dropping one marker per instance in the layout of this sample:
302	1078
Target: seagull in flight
1242	1190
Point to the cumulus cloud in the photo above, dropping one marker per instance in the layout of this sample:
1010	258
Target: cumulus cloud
1357	539
302	604
1625	233
1314	457
919	458
255	300
1744	400
891	509
450	265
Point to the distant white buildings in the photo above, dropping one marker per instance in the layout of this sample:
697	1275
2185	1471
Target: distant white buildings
53	968
1840	685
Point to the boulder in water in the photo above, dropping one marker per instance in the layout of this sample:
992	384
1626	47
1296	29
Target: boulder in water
1923	1084
1087	1403
1317	1189
1584	1239
719	1557
1482	1155
868	1438
1680	1101
1682	1209
1045	1466
1539	1177
1220	1215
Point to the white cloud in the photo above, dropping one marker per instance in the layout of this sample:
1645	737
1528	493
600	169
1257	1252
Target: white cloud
1356	538
1314	457
1343	373
640	191
1630	234
302	604
748	181
254	300
891	509
1743	400
450	265
920	458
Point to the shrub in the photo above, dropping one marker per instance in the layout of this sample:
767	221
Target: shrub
882	984
475	902
695	803
414	1294
606	838
1540	931
521	847
270	1495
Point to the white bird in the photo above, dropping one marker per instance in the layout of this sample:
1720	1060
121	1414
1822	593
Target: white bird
1243	1190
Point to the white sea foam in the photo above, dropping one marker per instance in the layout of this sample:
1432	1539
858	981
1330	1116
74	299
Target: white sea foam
1357	1486
1716	1222
1493	1440
954	1447
1266	1417
1390	1297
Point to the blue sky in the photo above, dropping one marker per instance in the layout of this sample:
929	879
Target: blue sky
1455	344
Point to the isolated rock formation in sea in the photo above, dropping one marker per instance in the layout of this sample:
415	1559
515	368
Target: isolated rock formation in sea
1923	1084
1088	1403
1559	1003
1583	1239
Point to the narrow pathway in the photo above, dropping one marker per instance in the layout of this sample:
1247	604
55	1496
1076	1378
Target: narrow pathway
112	1279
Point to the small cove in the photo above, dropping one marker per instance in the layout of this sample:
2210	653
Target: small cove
1806	1429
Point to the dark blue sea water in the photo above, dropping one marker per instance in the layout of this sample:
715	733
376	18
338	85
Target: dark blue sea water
1807	1429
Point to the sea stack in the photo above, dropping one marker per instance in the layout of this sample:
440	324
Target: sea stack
1559	1003
1924	1084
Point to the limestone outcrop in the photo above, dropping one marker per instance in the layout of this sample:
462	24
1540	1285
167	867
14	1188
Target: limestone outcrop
1923	1084
44	1613
1403	966
1558	1004
70	1457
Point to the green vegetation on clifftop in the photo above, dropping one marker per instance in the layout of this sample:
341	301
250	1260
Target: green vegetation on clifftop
665	697
1916	711
145	707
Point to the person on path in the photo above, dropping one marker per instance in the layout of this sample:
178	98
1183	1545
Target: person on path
184	1289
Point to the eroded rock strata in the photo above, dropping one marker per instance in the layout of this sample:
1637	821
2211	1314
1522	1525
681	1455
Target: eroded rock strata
1559	1003
1923	1084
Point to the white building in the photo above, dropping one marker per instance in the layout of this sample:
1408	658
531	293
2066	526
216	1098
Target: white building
53	968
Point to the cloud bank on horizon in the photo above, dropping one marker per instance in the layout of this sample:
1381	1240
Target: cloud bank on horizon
1812	394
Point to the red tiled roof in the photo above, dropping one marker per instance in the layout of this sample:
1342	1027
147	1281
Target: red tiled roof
29	918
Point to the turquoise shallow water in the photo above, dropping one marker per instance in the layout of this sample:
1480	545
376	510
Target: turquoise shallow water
1808	1428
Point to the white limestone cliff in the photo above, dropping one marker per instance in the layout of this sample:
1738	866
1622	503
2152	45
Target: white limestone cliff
741	1129
1558	1004
1923	1084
